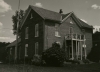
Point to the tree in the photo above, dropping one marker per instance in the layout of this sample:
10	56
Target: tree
15	19
3	53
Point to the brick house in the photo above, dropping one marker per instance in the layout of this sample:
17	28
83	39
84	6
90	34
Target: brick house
41	27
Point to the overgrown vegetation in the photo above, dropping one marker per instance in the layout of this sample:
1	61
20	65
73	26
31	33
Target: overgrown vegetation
37	60
54	56
3	52
18	15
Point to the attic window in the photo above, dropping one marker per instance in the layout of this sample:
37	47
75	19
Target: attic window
71	22
71	30
31	16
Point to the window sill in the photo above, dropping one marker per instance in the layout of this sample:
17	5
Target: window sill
26	55
57	35
26	38
36	36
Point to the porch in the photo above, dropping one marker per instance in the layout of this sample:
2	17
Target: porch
75	46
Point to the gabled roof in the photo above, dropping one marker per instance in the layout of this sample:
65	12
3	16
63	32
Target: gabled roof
13	43
85	24
81	23
47	14
54	16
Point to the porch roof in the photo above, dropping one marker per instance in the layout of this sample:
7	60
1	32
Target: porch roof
13	43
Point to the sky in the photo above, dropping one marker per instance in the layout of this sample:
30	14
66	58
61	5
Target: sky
86	10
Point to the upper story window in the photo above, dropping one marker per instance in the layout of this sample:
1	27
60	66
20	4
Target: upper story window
36	48
31	16
71	22
36	30
26	33
10	51
26	48
83	30
56	31
71	30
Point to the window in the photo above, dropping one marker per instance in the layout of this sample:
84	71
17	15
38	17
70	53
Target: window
36	48
56	31
36	30
31	16
26	47
71	30
26	33
83	30
71	22
10	51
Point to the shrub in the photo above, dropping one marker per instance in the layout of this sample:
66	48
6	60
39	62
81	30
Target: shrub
36	60
54	56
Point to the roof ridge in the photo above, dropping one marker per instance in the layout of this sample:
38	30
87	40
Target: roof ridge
44	9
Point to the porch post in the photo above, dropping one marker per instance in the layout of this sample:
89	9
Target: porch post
72	49
84	47
78	51
85	53
65	43
81	47
76	48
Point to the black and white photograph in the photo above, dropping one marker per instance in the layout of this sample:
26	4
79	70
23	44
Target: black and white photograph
49	35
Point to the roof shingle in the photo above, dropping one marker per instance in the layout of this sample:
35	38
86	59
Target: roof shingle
55	16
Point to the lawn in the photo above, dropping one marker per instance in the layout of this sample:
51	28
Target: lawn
95	67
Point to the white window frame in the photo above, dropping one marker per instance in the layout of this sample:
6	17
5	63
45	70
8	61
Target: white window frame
26	32
71	30
71	22
56	31
26	48
10	51
36	48
31	17
37	30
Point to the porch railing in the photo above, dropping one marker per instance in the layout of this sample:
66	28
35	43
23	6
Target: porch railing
74	36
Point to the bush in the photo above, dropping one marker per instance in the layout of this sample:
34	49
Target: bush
54	56
36	60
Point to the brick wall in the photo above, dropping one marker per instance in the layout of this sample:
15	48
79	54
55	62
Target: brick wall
32	39
63	30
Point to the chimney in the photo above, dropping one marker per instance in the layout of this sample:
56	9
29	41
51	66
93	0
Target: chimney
60	11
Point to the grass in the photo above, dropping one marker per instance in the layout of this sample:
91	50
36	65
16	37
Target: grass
95	67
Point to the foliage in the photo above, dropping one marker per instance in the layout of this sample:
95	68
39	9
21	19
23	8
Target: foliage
54	56
94	54
3	52
19	14
36	60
